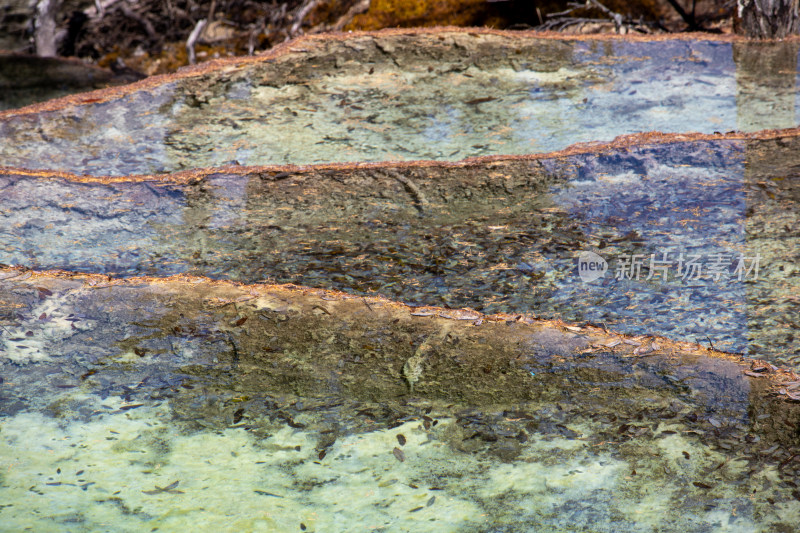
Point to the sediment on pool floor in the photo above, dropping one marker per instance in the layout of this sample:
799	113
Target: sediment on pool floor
309	342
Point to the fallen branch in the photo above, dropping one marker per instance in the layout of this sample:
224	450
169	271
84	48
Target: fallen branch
146	24
412	188
355	9
616	17
561	23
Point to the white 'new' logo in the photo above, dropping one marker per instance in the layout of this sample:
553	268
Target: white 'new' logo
591	266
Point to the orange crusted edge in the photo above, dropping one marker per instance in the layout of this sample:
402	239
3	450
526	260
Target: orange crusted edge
622	142
424	312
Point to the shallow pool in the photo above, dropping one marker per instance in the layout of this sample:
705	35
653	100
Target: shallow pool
447	96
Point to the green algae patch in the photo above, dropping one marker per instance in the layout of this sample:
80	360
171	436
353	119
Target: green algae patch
229	479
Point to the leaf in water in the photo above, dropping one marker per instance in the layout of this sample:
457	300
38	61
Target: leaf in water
131	406
398	454
483	100
265	493
169	489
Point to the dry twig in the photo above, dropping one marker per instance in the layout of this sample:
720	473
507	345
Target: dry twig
562	20
356	9
190	42
301	15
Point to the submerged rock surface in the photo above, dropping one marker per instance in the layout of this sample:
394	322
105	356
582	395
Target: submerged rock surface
180	393
163	380
409	95
700	236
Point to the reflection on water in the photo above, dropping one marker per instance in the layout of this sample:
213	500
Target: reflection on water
455	98
501	236
766	85
27	79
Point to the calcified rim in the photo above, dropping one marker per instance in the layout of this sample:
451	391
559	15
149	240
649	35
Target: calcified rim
598	336
637	140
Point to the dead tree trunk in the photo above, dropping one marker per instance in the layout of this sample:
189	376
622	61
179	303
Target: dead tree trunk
45	35
769	19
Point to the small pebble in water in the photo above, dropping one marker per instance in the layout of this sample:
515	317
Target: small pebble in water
399	455
401	439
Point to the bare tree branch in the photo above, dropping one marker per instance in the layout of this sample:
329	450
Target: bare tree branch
561	20
356	9
301	15
143	22
190	42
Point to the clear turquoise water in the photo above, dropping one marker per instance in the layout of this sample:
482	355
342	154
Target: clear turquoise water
95	436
